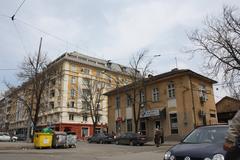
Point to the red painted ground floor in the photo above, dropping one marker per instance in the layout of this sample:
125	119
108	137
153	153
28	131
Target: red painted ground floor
82	130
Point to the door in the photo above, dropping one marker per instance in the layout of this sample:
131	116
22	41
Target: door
84	132
157	124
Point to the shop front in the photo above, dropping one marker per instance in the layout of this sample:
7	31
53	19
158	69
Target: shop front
151	119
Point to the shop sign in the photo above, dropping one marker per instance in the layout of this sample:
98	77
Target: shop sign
150	113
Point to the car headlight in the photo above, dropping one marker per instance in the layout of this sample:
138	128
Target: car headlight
218	157
167	155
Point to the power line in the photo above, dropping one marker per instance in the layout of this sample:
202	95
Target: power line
54	36
7	69
13	17
20	37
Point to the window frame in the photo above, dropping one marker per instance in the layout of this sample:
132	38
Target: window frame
155	94
171	90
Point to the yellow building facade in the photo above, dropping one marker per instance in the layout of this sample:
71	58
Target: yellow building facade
64	108
176	101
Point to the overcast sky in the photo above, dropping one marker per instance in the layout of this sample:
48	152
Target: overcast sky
109	29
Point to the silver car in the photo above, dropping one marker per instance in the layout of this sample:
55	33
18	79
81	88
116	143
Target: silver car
5	137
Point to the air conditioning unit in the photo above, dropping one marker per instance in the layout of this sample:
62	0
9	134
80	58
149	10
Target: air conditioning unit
203	99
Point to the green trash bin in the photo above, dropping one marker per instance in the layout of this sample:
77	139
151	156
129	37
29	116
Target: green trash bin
42	140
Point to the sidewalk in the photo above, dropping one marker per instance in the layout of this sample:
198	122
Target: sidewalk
15	145
166	143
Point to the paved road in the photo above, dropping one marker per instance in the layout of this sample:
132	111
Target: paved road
85	151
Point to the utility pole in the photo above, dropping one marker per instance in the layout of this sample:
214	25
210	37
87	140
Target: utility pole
30	125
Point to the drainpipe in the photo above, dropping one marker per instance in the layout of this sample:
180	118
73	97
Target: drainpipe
193	105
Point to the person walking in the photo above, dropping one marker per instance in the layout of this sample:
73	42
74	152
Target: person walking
233	134
157	137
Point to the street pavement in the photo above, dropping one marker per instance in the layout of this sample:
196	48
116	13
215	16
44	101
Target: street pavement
84	151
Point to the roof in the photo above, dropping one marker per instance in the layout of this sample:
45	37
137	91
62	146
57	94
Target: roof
166	75
227	97
92	61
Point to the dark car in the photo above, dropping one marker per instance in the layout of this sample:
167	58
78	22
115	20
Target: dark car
100	138
203	143
131	139
21	137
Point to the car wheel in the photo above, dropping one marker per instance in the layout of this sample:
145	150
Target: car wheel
117	142
131	143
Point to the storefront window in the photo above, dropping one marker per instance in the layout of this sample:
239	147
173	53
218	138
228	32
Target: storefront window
84	132
174	123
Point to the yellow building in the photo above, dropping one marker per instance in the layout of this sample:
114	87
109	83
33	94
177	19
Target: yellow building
176	101
64	108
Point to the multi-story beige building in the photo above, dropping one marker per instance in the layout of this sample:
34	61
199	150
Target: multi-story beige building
176	101
64	108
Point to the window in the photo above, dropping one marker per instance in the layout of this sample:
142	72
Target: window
212	115
71	117
155	95
85	105
129	125
129	101
117	104
86	92
202	92
52	93
142	97
84	132
71	104
174	123
73	68
73	80
51	105
98	73
86	81
85	118
73	93
171	90
98	118
86	71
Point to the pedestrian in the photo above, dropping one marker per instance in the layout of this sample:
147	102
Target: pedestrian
157	137
233	135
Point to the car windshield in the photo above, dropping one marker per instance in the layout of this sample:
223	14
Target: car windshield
207	135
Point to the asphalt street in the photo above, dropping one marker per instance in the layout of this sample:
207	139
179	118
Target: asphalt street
85	151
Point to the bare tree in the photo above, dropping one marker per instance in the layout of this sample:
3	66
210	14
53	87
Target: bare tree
139	71
36	74
219	41
92	96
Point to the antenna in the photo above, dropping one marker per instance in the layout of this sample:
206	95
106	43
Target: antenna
176	62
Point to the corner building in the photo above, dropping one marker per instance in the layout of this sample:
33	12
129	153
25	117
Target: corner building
176	101
65	109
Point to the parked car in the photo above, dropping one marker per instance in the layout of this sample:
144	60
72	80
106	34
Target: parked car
14	138
204	142
5	137
101	138
21	137
131	139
